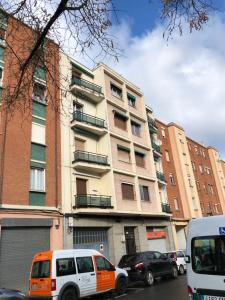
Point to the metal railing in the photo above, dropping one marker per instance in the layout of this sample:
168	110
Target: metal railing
166	208
87	84
90	157
85	118
160	176
93	201
156	147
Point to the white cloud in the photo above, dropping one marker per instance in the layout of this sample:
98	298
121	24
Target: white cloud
183	80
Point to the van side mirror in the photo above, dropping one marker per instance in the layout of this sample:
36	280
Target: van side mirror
187	259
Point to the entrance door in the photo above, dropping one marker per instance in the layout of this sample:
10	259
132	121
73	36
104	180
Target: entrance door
105	274
81	186
130	240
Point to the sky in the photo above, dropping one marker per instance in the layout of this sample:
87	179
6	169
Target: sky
182	79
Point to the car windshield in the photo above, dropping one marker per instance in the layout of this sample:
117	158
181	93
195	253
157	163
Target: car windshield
208	255
129	259
171	254
41	269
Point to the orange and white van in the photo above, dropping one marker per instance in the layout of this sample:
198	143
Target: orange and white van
73	274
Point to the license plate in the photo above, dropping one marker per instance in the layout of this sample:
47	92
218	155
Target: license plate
213	298
127	269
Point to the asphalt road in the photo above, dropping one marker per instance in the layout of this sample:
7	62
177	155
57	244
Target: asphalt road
165	289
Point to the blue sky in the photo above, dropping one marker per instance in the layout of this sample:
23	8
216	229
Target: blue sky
183	79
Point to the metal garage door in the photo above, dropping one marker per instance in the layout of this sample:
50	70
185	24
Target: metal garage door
91	238
17	248
157	245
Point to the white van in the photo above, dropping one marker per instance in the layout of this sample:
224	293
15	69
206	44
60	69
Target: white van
73	274
205	258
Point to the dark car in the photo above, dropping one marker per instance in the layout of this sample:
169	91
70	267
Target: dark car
7	294
146	266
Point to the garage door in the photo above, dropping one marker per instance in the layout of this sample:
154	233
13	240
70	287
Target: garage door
157	245
91	238
17	248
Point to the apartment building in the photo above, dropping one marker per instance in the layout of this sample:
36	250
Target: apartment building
30	176
204	179
223	166
110	199
173	189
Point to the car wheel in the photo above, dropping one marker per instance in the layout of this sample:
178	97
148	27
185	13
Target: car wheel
121	286
181	270
69	294
174	272
149	278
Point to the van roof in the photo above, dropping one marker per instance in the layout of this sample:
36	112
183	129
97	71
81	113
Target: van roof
206	226
75	252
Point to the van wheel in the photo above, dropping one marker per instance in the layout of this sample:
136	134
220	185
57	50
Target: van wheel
121	286
149	278
69	294
181	270
174	273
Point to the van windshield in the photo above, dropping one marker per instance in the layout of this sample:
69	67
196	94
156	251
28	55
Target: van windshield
208	255
41	269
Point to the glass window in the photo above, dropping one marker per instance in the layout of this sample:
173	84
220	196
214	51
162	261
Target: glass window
116	91
84	264
131	100
172	182
39	92
157	255
176	204
135	128
65	266
123	154
41	269
180	254
100	263
37	179
144	193
167	155
208	255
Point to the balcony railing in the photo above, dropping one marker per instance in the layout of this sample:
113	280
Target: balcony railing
166	208
90	157
152	125
160	176
87	84
88	119
156	147
93	201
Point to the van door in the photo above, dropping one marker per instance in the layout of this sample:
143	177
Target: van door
40	281
86	277
105	274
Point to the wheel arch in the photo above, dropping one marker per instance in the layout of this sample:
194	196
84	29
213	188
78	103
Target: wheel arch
68	285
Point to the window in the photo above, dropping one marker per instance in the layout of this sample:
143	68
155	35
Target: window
210	189
37	179
201	169
77	106
37	152
203	153
1	74
39	92
140	159
116	91
208	255
65	266
135	128
127	191
84	264
167	155
41	269
2	34
123	154
163	132
194	203
131	100
40	73
172	182
189	181
176	204
198	185
193	165
208	171
103	264
144	193
120	121
2	53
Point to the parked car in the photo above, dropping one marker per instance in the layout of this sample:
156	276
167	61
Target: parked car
179	258
74	274
7	294
146	266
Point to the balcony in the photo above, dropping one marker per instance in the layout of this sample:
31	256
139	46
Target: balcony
156	148
89	123
86	89
84	201
152	125
90	162
166	208
161	176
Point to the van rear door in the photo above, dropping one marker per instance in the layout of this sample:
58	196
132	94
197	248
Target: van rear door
40	279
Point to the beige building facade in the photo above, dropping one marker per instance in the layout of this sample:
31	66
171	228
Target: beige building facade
110	190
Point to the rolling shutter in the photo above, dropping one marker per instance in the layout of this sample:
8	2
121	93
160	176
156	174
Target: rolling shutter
127	191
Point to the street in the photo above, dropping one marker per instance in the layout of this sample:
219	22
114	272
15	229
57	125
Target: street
163	289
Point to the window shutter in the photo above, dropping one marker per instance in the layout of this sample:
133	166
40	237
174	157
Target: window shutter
127	191
37	152
124	155
140	161
79	145
81	186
